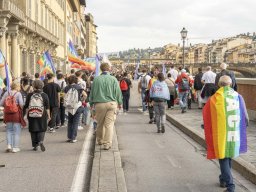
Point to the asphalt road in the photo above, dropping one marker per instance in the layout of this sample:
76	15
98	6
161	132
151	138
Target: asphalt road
49	171
166	162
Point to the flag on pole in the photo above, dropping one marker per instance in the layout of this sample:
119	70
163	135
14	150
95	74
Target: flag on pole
7	71
164	69
136	75
97	70
46	63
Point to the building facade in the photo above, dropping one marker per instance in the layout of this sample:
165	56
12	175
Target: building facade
28	28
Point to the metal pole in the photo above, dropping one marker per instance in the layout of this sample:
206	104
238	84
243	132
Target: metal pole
183	57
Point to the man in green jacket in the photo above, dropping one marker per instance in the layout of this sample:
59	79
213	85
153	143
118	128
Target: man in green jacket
106	96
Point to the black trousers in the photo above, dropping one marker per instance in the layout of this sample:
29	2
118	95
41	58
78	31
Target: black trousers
54	113
60	119
126	97
36	138
170	102
151	112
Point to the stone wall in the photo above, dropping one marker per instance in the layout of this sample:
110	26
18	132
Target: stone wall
247	88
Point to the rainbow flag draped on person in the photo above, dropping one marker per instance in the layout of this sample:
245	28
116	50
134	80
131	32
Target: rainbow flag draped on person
46	63
76	61
225	124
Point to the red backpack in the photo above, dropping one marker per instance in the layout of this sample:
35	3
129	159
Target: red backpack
123	85
10	105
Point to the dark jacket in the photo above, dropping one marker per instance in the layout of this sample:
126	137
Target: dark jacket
198	85
228	73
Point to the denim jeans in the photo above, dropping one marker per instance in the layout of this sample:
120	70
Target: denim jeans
126	97
54	112
13	131
85	115
183	96
143	90
159	108
60	119
226	176
73	122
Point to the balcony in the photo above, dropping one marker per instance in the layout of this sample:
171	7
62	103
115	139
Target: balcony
34	27
8	7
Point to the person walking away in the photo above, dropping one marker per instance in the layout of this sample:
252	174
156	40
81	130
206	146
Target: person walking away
159	93
172	91
174	73
60	119
106	96
125	85
82	84
224	71
183	82
37	107
155	72
208	80
142	87
25	89
53	92
13	118
225	119
198	85
74	94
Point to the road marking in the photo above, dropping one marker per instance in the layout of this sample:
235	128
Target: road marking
81	169
173	162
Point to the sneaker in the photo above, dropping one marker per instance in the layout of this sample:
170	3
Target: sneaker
35	148
80	128
51	130
158	130
42	147
163	129
68	140
73	141
9	149
106	147
151	121
222	184
57	126
15	150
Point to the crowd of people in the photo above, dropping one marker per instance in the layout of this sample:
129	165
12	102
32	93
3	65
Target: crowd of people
47	104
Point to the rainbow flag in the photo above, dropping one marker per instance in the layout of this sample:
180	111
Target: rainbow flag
46	63
225	124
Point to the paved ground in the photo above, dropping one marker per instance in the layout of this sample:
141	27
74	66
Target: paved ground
172	161
49	171
190	123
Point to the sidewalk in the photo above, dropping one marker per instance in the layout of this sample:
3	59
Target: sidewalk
190	124
107	172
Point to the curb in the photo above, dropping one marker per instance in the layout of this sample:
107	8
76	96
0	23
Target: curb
101	163
246	169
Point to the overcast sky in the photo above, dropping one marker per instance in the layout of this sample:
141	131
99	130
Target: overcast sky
124	24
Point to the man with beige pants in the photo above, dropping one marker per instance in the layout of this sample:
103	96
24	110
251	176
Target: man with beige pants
106	96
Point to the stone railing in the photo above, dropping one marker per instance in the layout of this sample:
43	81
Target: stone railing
247	88
7	5
34	27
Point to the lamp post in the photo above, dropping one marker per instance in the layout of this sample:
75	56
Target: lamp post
149	52
183	33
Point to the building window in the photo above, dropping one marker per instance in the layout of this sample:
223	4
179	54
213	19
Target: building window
29	5
36	13
42	15
46	18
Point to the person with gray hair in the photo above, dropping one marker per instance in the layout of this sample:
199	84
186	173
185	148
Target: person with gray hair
224	71
38	112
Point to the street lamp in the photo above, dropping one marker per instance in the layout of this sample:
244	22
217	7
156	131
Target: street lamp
149	52
183	33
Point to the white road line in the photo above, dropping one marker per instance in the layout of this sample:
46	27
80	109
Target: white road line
173	162
79	178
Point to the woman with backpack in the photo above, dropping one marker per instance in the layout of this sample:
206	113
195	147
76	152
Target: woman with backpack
159	93
13	118
38	113
74	95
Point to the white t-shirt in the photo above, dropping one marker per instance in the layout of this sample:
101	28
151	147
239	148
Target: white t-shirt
209	77
147	78
174	73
